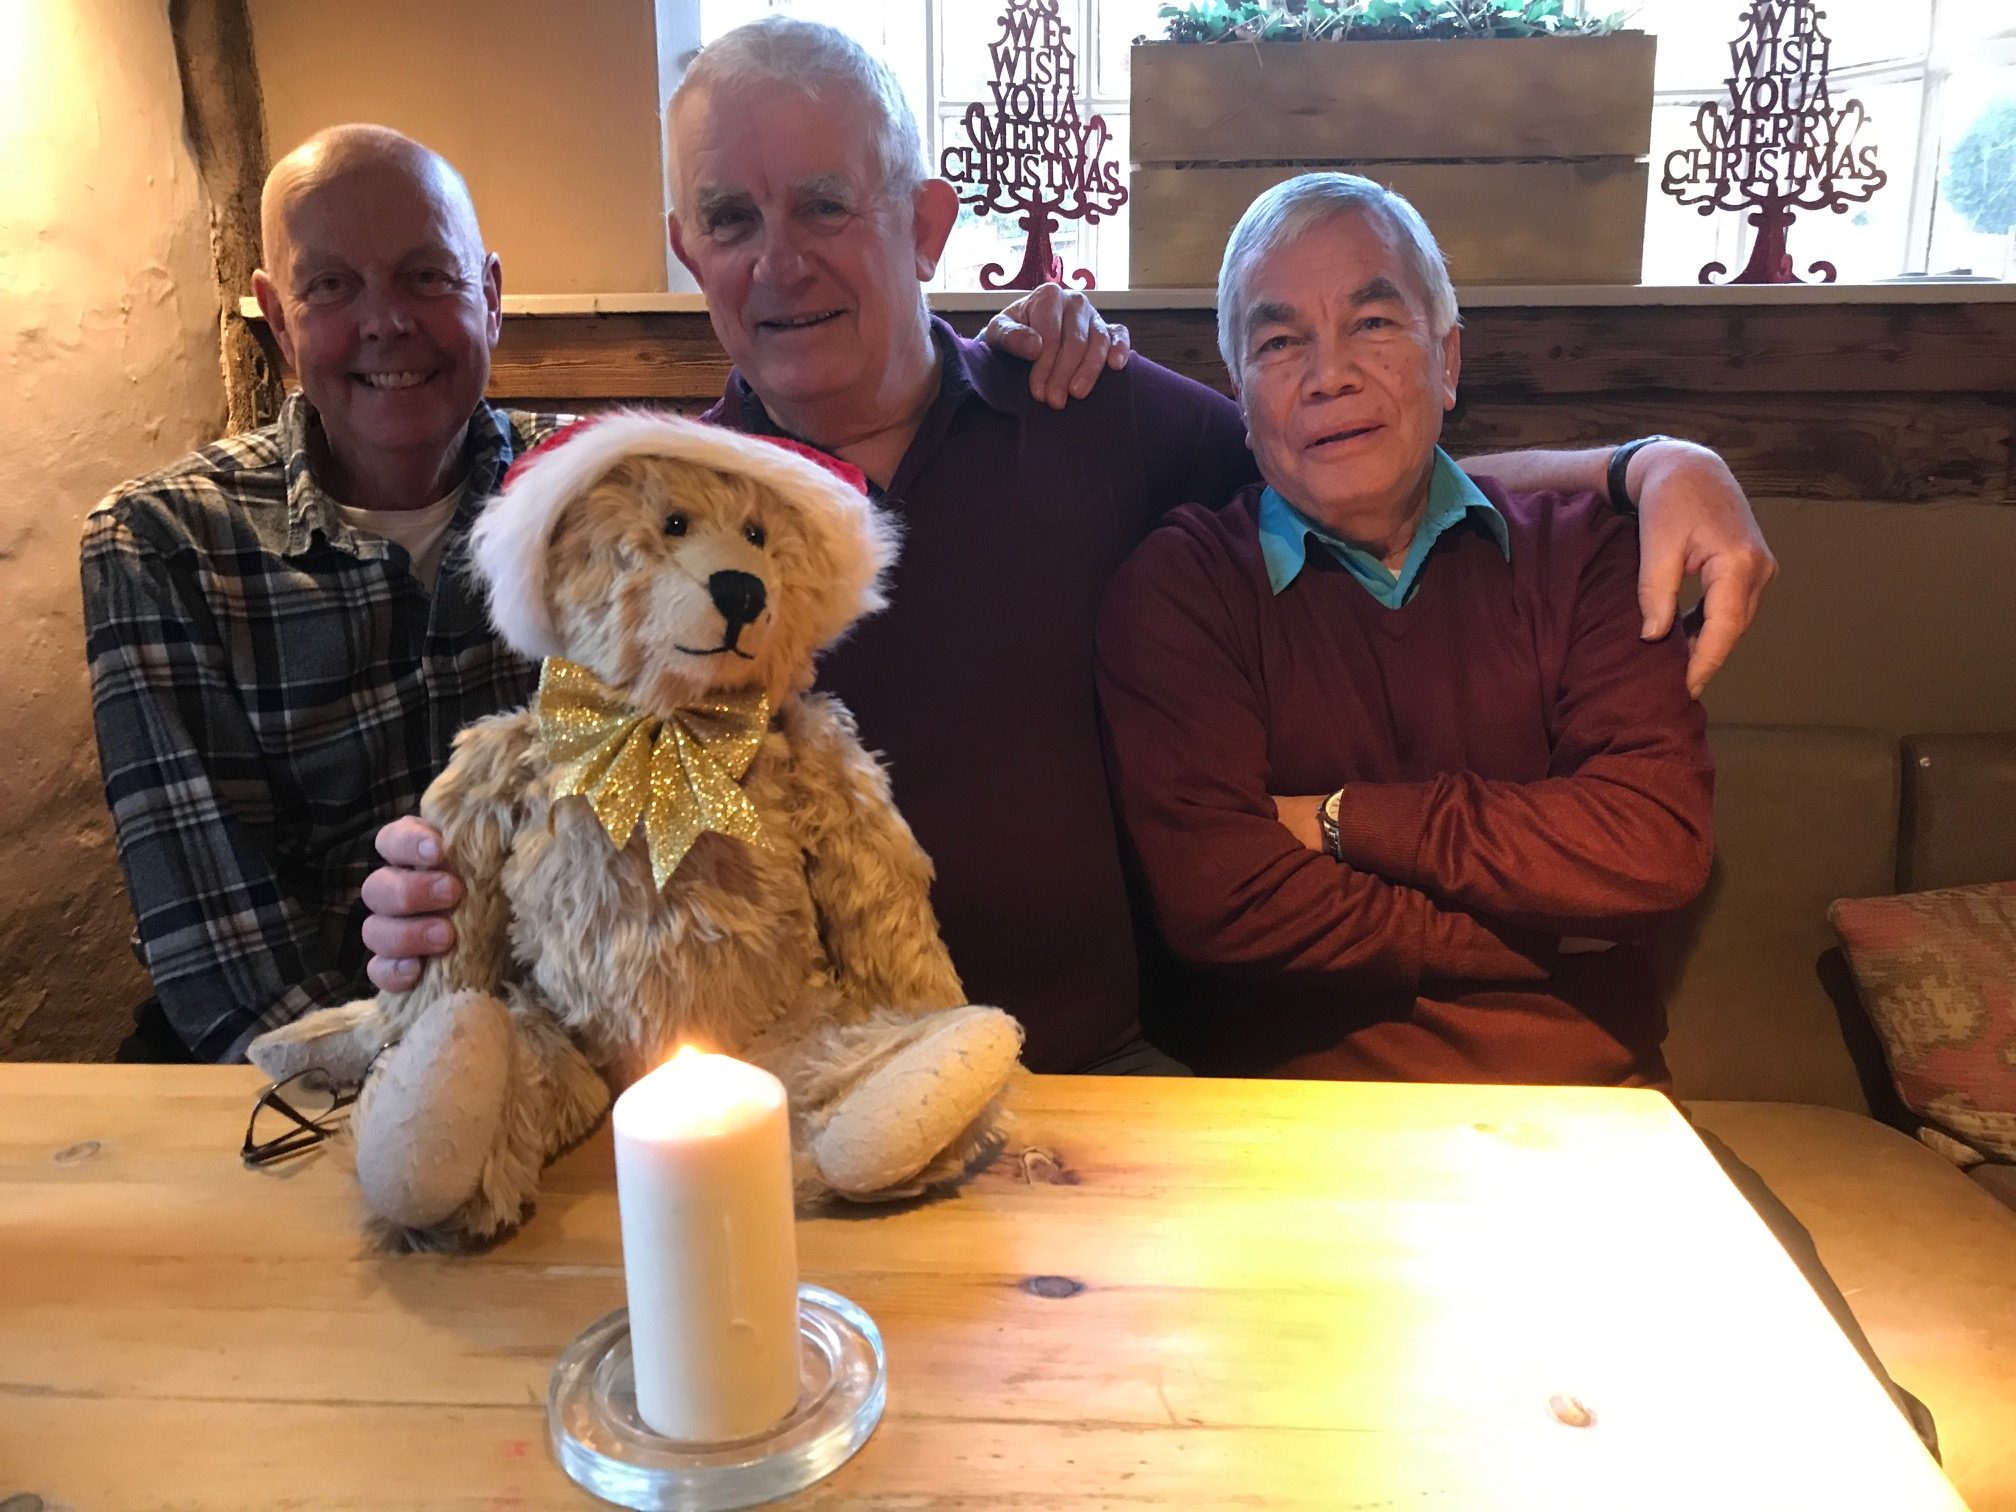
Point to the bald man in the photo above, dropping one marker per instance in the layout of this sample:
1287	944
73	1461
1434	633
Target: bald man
280	650
279	658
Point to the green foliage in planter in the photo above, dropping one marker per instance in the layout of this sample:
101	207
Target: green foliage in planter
1374	20
1981	175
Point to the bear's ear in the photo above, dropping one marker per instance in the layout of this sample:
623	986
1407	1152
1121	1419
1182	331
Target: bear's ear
508	548
836	551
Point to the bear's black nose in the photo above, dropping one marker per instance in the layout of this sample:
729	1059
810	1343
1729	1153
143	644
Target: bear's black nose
739	597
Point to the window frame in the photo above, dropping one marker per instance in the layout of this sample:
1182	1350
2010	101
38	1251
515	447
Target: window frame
1931	67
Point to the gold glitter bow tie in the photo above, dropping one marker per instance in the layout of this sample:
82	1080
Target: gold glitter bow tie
681	776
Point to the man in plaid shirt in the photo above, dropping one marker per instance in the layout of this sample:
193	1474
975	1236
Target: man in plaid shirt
281	643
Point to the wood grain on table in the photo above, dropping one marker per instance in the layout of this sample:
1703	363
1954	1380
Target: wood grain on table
1163	1293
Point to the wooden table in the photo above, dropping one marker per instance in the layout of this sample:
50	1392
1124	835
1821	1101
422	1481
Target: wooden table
1165	1293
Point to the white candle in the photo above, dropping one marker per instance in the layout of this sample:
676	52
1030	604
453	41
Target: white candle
703	1182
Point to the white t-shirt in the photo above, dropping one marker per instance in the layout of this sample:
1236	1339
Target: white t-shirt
420	531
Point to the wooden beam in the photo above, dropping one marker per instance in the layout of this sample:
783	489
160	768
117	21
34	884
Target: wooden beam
1884	402
1895	448
1845	349
224	118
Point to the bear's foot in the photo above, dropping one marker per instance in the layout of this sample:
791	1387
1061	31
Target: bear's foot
921	1115
459	1120
432	1113
338	1042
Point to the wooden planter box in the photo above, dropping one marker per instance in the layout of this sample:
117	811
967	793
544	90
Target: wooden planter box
1526	156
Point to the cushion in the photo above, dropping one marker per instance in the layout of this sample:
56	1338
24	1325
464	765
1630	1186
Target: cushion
1937	974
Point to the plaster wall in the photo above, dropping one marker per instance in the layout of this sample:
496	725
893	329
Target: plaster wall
109	316
551	113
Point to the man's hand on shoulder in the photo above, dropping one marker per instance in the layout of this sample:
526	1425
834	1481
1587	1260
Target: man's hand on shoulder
409	898
1062	336
1694	518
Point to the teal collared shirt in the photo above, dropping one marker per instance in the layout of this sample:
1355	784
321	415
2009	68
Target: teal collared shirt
1285	533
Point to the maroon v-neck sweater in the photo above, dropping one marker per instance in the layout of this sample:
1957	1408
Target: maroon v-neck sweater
1517	765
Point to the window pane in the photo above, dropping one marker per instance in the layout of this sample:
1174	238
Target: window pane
1679	240
1977	41
1109	237
1864	241
1694	35
1872	240
968	31
1118	23
893	30
964	34
1973	219
979	240
718	16
1964	24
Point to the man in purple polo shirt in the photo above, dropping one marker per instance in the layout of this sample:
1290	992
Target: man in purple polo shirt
802	207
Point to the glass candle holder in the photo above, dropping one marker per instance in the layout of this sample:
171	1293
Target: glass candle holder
606	1447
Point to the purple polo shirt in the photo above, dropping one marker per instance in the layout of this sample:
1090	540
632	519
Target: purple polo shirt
976	685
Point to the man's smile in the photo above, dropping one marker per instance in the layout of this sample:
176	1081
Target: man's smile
1344	437
782	323
409	378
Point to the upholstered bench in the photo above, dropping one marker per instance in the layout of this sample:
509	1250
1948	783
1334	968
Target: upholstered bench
1772	1052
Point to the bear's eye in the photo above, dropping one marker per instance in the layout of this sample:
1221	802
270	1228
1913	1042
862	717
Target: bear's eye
675	524
753	534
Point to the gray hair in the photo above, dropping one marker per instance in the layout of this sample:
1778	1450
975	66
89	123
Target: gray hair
816	60
1287	210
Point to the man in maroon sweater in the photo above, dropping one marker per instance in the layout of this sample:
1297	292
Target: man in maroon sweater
1517	786
1406	787
804	209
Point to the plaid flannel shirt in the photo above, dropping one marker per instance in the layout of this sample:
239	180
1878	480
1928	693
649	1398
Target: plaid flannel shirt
270	686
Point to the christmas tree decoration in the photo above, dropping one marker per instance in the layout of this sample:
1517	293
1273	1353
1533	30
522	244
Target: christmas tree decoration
1032	153
1780	144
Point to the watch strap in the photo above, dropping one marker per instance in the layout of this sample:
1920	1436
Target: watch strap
1620	463
1326	821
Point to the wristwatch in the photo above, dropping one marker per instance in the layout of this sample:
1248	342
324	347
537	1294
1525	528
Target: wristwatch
1326	820
1620	462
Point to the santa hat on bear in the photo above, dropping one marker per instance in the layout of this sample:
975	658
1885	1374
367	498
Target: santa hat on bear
509	541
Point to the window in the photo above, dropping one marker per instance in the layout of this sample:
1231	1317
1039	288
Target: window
1927	71
938	49
1938	78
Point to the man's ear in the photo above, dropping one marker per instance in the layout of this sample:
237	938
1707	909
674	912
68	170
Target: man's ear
493	298
932	211
268	296
679	248
1452	365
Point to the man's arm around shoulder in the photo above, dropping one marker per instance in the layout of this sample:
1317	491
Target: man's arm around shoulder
1693	519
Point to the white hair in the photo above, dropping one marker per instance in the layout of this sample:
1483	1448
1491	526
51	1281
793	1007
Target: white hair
1300	204
818	61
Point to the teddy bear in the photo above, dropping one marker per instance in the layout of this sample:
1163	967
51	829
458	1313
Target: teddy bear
678	841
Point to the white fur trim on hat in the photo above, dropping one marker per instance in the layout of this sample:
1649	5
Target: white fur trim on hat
509	541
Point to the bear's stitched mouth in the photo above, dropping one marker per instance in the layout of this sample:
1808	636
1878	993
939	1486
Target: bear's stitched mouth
724	649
